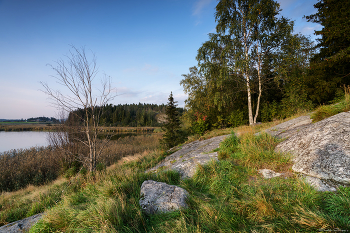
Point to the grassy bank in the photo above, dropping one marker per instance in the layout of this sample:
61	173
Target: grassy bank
229	195
27	126
225	196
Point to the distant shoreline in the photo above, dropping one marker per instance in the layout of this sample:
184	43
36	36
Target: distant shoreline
47	127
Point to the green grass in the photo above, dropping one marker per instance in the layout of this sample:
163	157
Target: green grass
225	196
326	111
228	195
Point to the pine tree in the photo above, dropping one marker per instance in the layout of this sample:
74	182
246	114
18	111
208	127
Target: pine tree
172	134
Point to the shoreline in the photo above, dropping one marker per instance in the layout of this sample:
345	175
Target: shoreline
54	127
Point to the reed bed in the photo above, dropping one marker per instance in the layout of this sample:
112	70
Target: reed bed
39	165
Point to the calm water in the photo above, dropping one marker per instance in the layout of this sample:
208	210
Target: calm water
22	140
28	139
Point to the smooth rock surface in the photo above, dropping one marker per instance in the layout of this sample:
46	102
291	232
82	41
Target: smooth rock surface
160	197
267	173
322	150
289	128
21	225
189	156
319	184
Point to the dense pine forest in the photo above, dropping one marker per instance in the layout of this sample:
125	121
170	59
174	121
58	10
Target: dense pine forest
131	115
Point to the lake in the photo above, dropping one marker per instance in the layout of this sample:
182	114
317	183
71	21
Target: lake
22	140
27	139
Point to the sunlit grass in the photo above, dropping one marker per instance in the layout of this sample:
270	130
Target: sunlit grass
228	195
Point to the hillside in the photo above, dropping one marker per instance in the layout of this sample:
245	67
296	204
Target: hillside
224	196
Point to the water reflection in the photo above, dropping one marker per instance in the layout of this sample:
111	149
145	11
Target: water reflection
22	140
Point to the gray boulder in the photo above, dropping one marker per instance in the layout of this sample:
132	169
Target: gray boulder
21	225
289	128
322	151
186	159
159	197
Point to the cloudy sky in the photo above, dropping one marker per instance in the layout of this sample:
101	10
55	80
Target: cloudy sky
145	46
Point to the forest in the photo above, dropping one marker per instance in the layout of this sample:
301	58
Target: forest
256	69
131	115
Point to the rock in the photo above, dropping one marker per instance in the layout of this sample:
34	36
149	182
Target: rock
319	185
322	150
289	128
189	156
159	197
267	173
21	225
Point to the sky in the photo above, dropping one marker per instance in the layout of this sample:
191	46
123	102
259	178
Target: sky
144	46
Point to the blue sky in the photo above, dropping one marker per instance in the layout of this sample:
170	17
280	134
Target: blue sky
145	46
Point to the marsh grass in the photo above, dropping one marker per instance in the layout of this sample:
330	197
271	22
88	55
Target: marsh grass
37	166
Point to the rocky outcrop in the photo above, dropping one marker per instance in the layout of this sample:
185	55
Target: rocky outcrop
159	197
322	151
22	225
186	159
289	128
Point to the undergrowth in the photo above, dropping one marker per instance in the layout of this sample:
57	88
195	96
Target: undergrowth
326	111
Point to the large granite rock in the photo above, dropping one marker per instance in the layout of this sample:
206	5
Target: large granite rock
322	151
186	159
159	197
289	128
21	225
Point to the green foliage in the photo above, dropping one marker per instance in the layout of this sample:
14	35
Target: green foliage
132	115
199	127
326	111
330	67
236	118
269	111
172	135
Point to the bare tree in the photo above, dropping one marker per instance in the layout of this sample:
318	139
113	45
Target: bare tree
77	76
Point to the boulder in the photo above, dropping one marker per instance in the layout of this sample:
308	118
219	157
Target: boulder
159	197
186	159
21	225
322	150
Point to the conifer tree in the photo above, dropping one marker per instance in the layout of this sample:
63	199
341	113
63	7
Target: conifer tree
172	134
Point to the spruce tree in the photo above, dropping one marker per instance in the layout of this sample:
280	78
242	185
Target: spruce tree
172	134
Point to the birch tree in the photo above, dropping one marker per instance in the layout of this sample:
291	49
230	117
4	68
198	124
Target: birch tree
77	75
250	30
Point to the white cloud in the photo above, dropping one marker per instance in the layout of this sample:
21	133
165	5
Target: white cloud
127	93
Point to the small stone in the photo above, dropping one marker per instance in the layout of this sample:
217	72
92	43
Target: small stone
267	173
159	197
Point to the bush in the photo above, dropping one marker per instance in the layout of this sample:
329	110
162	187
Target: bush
199	127
237	118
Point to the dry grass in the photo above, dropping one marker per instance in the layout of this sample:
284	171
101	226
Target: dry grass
37	166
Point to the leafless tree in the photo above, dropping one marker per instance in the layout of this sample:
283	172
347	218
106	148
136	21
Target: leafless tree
77	75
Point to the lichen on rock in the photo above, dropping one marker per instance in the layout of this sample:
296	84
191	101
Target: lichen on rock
159	197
